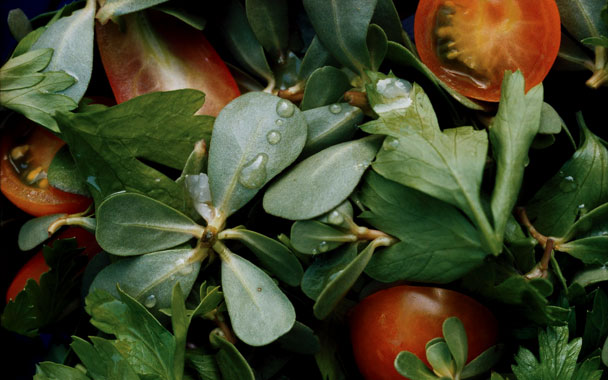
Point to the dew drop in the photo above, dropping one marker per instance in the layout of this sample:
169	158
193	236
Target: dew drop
323	246
527	161
279	122
314	251
150	301
604	233
285	108
568	184
184	267
390	143
335	109
273	137
335	217
334	275
395	95
253	174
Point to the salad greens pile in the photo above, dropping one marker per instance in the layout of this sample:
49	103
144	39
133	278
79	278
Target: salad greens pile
235	245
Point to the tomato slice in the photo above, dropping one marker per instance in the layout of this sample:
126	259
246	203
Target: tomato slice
24	162
470	43
36	266
157	52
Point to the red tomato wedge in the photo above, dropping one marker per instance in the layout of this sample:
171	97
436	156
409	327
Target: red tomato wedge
36	266
156	52
470	43
24	162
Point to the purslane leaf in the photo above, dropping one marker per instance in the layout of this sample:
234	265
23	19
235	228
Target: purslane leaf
113	8
255	137
269	22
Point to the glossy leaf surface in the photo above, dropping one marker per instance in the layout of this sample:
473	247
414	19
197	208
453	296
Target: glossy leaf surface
330	125
326	85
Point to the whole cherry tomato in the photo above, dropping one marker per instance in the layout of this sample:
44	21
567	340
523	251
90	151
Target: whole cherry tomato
24	162
156	52
36	266
470	43
405	318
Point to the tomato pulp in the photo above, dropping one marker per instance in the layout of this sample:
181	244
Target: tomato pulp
157	52
23	168
469	44
405	318
36	266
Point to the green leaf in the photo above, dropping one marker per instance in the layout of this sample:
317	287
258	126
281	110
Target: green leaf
325	268
269	22
582	18
330	125
22	89
322	181
273	255
342	28
132	224
438	244
203	364
591	250
241	41
326	85
55	371
113	8
596	41
36	231
447	164
588	370
456	339
377	45
580	181
404	58
550	121
71	39
388	94
301	339
312	237
43	303
482	363
150	278
439	356
410	366
140	338
26	43
592	224
596	323
557	356
108	154
337	287
316	57
258	309
180	323
18	24
387	17
63	173
511	134
230	361
185	11
605	352
102	359
255	137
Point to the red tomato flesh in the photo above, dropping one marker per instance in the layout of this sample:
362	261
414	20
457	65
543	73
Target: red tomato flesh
405	318
36	266
157	52
24	163
470	43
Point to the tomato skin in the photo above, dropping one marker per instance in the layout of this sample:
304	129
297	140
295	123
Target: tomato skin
34	200
36	266
487	38
160	53
405	318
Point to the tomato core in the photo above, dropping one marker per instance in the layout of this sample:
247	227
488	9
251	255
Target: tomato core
470	43
405	318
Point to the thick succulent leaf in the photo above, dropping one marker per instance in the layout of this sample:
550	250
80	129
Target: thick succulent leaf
322	181
255	137
35	231
330	125
326	85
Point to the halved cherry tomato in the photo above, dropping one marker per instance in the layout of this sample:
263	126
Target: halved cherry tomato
157	52
36	266
405	318
470	43
24	162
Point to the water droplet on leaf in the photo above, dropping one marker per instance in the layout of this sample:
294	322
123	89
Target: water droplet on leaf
150	301
335	217
279	122
395	95
568	184
285	108
253	174
335	109
323	246
390	143
273	137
